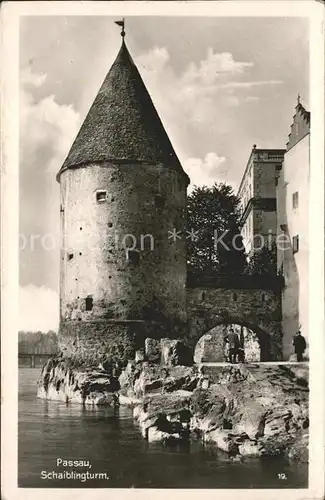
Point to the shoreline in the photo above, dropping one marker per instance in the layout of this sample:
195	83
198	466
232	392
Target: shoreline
246	410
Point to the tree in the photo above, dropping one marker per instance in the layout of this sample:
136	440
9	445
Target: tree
214	240
263	262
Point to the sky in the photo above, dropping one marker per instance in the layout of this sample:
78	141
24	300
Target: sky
220	85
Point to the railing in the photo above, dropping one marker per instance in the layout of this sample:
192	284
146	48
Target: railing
33	360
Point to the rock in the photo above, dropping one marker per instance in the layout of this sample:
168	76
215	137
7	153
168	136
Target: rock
262	409
139	355
155	435
205	383
233	448
271	446
152	350
169	413
299	449
249	449
167	404
61	382
144	378
220	437
249	419
175	352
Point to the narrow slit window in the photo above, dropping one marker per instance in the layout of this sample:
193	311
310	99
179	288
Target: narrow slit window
160	201
295	200
89	303
295	244
133	256
101	196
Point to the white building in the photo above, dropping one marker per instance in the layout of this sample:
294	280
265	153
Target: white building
292	228
257	191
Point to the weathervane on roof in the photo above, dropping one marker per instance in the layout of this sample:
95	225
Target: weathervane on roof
298	99
122	24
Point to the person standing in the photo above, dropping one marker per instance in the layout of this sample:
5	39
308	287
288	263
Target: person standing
241	348
233	345
299	344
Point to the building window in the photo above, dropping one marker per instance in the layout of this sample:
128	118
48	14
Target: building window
89	303
234	297
101	196
133	256
295	200
159	201
295	244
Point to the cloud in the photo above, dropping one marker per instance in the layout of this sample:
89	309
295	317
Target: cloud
38	309
44	124
47	130
154	60
33	79
252	98
195	103
205	171
248	85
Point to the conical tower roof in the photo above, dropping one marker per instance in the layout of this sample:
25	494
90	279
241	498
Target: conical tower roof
122	124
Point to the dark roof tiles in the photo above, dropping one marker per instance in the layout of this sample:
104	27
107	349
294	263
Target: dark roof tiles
122	123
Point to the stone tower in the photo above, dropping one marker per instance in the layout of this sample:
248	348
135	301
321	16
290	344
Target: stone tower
122	189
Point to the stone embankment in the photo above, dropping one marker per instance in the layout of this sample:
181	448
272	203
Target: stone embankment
247	410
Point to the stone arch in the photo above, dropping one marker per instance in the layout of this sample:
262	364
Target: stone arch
269	334
210	347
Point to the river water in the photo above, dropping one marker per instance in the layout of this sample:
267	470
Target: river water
110	441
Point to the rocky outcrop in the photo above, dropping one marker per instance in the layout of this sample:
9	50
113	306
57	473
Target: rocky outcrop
247	410
62	381
153	350
163	417
140	379
175	352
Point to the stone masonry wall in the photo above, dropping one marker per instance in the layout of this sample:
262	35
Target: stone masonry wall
92	342
258	310
100	280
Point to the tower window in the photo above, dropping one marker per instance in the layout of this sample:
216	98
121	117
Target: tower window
70	256
295	244
295	200
89	303
159	201
133	256
101	196
234	297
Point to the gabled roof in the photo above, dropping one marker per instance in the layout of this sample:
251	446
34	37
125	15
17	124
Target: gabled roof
300	126
122	124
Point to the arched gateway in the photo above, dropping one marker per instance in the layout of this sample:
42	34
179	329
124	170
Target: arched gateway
249	301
